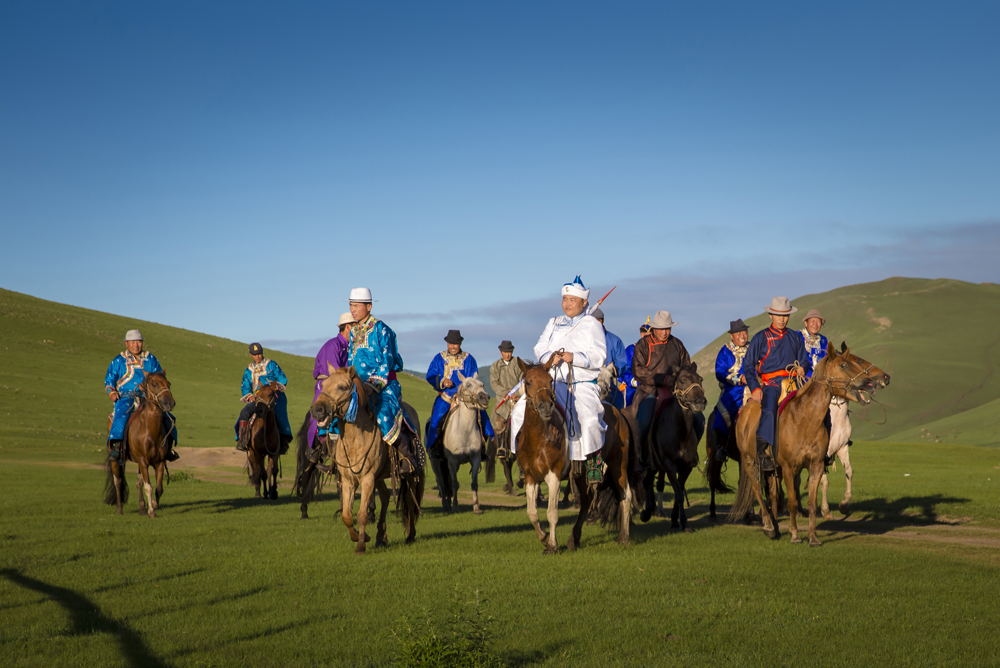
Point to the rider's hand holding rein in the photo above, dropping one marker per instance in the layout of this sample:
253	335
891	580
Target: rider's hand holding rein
247	398
114	395
562	356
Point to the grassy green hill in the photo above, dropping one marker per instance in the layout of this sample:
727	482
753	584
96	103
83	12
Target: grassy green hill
55	357
937	338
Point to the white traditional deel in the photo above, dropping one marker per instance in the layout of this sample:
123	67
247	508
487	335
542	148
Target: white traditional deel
584	337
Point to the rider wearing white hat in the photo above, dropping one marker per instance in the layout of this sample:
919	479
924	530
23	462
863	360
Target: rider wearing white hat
373	354
123	384
770	353
581	339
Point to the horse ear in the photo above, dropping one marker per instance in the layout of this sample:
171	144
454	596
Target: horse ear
330	368
322	376
694	366
548	363
832	352
843	346
461	377
520	363
476	375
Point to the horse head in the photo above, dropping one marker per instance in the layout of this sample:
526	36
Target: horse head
688	390
156	387
335	394
268	394
877	376
846	375
538	388
472	392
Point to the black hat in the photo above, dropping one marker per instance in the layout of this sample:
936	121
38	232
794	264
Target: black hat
506	346
256	349
454	336
737	326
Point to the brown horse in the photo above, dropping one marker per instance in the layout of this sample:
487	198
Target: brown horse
673	443
147	443
364	459
543	453
265	443
622	487
714	440
802	439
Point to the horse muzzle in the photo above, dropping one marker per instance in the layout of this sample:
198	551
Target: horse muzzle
321	413
167	404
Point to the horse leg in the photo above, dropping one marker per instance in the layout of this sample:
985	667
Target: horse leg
118	476
381	538
274	477
586	497
531	492
647	483
159	485
793	506
824	486
682	477
452	471
508	487
146	488
845	459
367	487
626	510
347	506
660	484
552	480
475	461
767	517
814	472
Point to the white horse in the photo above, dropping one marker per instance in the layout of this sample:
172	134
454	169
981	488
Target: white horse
463	441
840	436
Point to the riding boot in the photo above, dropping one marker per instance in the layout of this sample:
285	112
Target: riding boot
595	468
720	453
172	455
285	440
407	466
241	443
764	459
115	450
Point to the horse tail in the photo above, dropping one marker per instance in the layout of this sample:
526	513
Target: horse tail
411	494
110	487
491	460
607	506
713	472
743	503
308	479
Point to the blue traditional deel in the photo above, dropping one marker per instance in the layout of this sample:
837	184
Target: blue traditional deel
263	373
728	369
125	374
446	366
374	355
770	352
815	348
617	356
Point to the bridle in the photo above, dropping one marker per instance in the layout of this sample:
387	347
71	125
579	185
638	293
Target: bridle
464	397
682	398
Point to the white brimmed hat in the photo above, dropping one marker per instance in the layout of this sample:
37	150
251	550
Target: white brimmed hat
346	319
781	306
360	295
576	289
662	320
133	335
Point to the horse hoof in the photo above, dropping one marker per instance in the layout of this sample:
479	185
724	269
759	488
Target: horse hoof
358	552
845	508
571	544
477	510
274	494
381	543
549	550
815	543
827	516
409	540
507	488
688	530
645	515
770	533
304	516
796	540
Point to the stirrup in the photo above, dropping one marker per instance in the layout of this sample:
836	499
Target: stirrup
172	455
595	468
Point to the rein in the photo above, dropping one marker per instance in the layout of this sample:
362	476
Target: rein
375	432
682	395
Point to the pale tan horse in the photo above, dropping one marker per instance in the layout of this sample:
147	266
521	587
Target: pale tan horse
364	459
802	440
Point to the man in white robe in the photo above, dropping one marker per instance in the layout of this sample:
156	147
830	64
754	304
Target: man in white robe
581	338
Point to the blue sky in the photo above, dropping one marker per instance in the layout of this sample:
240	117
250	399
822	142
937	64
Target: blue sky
176	161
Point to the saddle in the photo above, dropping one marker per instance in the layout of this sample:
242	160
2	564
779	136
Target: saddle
663	397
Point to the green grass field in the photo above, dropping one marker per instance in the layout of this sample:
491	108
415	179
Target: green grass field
911	577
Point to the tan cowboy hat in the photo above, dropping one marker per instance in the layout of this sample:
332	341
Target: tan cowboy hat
346	319
781	306
814	313
662	320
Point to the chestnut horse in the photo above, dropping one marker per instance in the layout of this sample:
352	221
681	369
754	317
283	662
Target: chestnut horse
147	443
543	452
264	444
673	443
364	459
802	439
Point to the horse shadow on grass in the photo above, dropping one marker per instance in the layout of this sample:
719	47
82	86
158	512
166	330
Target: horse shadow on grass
237	503
899	511
86	618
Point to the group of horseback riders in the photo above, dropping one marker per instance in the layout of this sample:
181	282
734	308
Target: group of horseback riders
577	342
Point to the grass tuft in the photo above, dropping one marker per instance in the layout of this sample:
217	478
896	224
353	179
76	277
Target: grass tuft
460	640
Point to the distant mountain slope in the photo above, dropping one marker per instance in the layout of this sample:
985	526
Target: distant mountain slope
939	339
55	356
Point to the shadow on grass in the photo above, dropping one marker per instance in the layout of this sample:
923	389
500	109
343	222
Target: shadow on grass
145	581
86	618
228	505
898	511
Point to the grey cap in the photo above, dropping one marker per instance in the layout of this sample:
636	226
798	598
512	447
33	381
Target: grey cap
133	335
598	313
